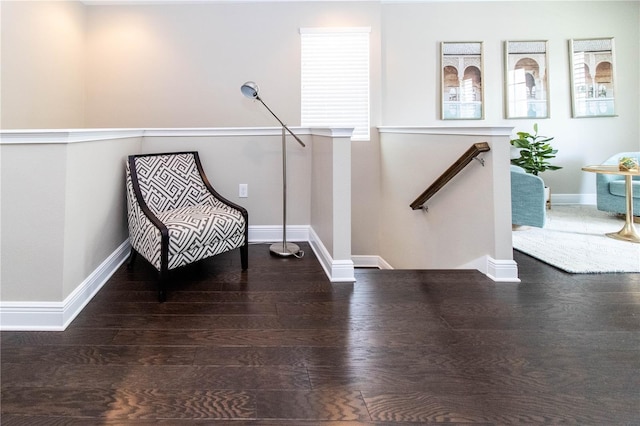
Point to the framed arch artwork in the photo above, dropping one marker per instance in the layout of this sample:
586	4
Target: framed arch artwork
461	81
593	82
526	79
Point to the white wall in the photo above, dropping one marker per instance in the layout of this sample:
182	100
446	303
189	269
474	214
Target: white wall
43	68
182	65
412	34
467	223
331	202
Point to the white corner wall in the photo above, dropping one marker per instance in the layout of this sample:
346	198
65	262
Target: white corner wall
331	202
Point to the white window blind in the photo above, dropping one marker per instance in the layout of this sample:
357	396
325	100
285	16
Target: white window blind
335	79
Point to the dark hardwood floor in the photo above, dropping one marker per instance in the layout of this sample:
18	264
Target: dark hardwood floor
281	345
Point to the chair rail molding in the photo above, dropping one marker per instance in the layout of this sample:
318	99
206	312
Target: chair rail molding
449	130
67	136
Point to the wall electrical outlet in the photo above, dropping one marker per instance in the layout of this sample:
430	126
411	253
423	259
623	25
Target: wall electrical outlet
243	190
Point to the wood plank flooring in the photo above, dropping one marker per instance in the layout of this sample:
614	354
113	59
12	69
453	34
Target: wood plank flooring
281	345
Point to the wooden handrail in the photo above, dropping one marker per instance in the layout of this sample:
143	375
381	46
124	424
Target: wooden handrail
455	168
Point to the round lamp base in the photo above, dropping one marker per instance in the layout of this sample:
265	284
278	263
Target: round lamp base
284	250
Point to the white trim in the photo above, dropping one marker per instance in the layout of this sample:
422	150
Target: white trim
502	270
222	131
65	136
499	270
370	261
78	299
273	233
342	271
56	316
452	130
68	136
334	132
586	199
336	270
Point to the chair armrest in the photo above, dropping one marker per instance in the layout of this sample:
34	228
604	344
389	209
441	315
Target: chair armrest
145	229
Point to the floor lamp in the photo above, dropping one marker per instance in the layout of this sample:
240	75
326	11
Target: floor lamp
284	249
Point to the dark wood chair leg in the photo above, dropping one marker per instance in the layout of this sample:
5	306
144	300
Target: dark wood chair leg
162	286
244	256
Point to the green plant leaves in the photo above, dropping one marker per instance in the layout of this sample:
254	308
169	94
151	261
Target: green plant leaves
534	152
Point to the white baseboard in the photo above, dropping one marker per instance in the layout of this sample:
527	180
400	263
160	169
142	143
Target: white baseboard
370	261
270	233
497	270
336	270
588	199
502	270
56	316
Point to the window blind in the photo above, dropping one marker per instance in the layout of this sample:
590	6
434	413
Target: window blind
335	79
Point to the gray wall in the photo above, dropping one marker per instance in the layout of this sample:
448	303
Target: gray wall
63	213
466	221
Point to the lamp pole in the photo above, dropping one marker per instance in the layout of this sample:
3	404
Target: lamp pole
284	249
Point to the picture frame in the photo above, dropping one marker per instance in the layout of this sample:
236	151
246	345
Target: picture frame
526	79
461	68
593	81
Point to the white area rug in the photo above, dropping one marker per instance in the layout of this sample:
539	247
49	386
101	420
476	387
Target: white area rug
573	239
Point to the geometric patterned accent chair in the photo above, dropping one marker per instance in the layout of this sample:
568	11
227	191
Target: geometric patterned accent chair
610	189
528	205
176	217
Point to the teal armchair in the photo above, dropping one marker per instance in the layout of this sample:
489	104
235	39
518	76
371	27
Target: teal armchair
528	205
610	189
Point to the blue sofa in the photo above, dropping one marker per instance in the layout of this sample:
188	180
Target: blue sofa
528	204
610	189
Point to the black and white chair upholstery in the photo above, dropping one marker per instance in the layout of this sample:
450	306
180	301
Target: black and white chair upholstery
176	217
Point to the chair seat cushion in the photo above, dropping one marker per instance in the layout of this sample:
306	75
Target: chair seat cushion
196	226
617	187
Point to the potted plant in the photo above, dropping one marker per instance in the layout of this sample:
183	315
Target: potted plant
628	164
535	152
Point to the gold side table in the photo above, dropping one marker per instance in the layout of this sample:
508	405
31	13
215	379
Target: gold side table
628	231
